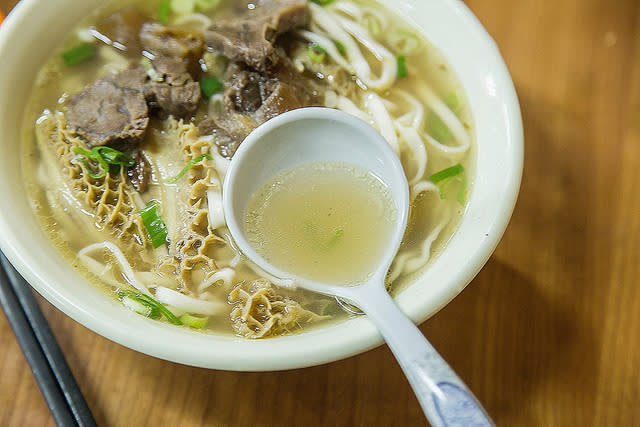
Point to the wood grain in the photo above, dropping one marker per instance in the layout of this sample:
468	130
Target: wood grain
547	334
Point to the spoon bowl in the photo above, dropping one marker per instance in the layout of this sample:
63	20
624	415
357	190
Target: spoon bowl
326	135
298	137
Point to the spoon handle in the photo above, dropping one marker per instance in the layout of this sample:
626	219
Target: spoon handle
445	399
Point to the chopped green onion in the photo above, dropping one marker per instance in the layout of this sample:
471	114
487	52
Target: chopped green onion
78	54
452	173
182	7
209	86
155	308
163	11
449	172
442	186
319	240
80	150
155	226
205	5
437	129
316	52
323	2
138	305
196	322
341	47
93	156
402	66
87	169
189	165
403	42
105	156
113	156
164	310
336	238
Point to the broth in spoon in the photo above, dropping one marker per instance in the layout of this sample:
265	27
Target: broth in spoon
324	221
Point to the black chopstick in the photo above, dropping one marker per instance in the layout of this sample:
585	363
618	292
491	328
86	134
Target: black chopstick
47	362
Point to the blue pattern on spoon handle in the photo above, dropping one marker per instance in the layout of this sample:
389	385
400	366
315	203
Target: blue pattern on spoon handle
457	407
446	401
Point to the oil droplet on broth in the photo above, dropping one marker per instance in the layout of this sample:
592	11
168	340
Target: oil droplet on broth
325	221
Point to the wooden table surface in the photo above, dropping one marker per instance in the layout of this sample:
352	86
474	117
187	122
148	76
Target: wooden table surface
548	334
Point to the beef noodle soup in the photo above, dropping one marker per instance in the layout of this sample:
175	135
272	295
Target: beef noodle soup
134	119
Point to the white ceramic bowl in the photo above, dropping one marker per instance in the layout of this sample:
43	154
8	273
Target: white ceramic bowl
36	27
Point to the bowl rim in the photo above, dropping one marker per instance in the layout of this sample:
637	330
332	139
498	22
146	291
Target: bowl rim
317	345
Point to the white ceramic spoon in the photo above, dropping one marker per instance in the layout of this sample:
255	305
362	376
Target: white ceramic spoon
323	134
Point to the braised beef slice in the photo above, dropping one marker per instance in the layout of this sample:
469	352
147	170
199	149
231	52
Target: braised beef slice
265	95
281	98
230	130
116	108
132	78
247	34
246	89
251	98
172	70
308	89
140	173
109	111
165	100
177	94
122	29
162	41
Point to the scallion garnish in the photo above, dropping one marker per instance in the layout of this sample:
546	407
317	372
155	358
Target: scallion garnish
320	240
449	172
316	52
154	306
323	2
133	302
78	54
341	47
209	86
155	226
443	177
402	66
196	322
189	165
105	156
164	310
164	9
104	166
113	156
